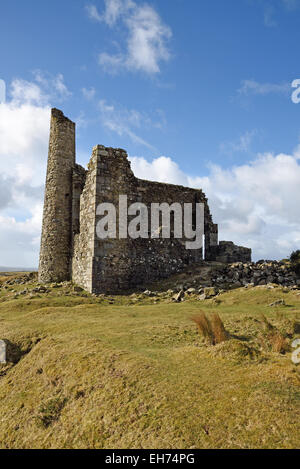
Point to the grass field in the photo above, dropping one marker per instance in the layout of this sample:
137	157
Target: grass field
124	372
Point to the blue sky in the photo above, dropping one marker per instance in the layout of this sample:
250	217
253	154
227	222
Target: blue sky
197	92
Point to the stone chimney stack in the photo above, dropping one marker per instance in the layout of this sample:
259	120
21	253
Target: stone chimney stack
55	252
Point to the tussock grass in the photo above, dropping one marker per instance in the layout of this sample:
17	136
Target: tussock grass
219	332
278	343
212	329
274	339
204	327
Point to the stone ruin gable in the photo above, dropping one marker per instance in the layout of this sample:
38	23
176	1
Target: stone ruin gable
55	253
152	259
162	192
120	264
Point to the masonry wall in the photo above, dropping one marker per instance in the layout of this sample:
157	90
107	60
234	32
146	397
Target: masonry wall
56	250
70	248
84	221
121	264
228	252
150	191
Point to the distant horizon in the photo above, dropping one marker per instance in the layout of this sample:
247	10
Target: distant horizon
4	269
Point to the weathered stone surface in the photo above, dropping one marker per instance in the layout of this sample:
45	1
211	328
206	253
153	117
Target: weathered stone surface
209	292
191	291
179	296
70	248
278	303
202	297
228	252
55	253
223	277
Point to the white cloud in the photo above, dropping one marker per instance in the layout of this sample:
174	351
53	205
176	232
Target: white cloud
113	10
60	86
255	88
24	130
111	63
147	40
242	145
93	13
162	169
5	191
272	11
2	91
52	86
24	92
269	20
290	4
147	36
125	121
256	204
24	134
19	240
89	93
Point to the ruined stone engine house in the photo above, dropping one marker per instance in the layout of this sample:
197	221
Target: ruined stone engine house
70	248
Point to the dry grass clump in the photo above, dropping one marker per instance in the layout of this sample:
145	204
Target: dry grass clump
274	340
218	328
203	326
213	329
278	343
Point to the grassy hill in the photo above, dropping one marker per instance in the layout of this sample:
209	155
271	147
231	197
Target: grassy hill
133	372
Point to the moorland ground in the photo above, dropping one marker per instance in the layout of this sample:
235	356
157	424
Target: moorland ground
132	371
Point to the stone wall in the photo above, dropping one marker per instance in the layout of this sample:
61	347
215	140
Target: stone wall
156	192
55	253
241	274
122	264
228	252
70	247
84	240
